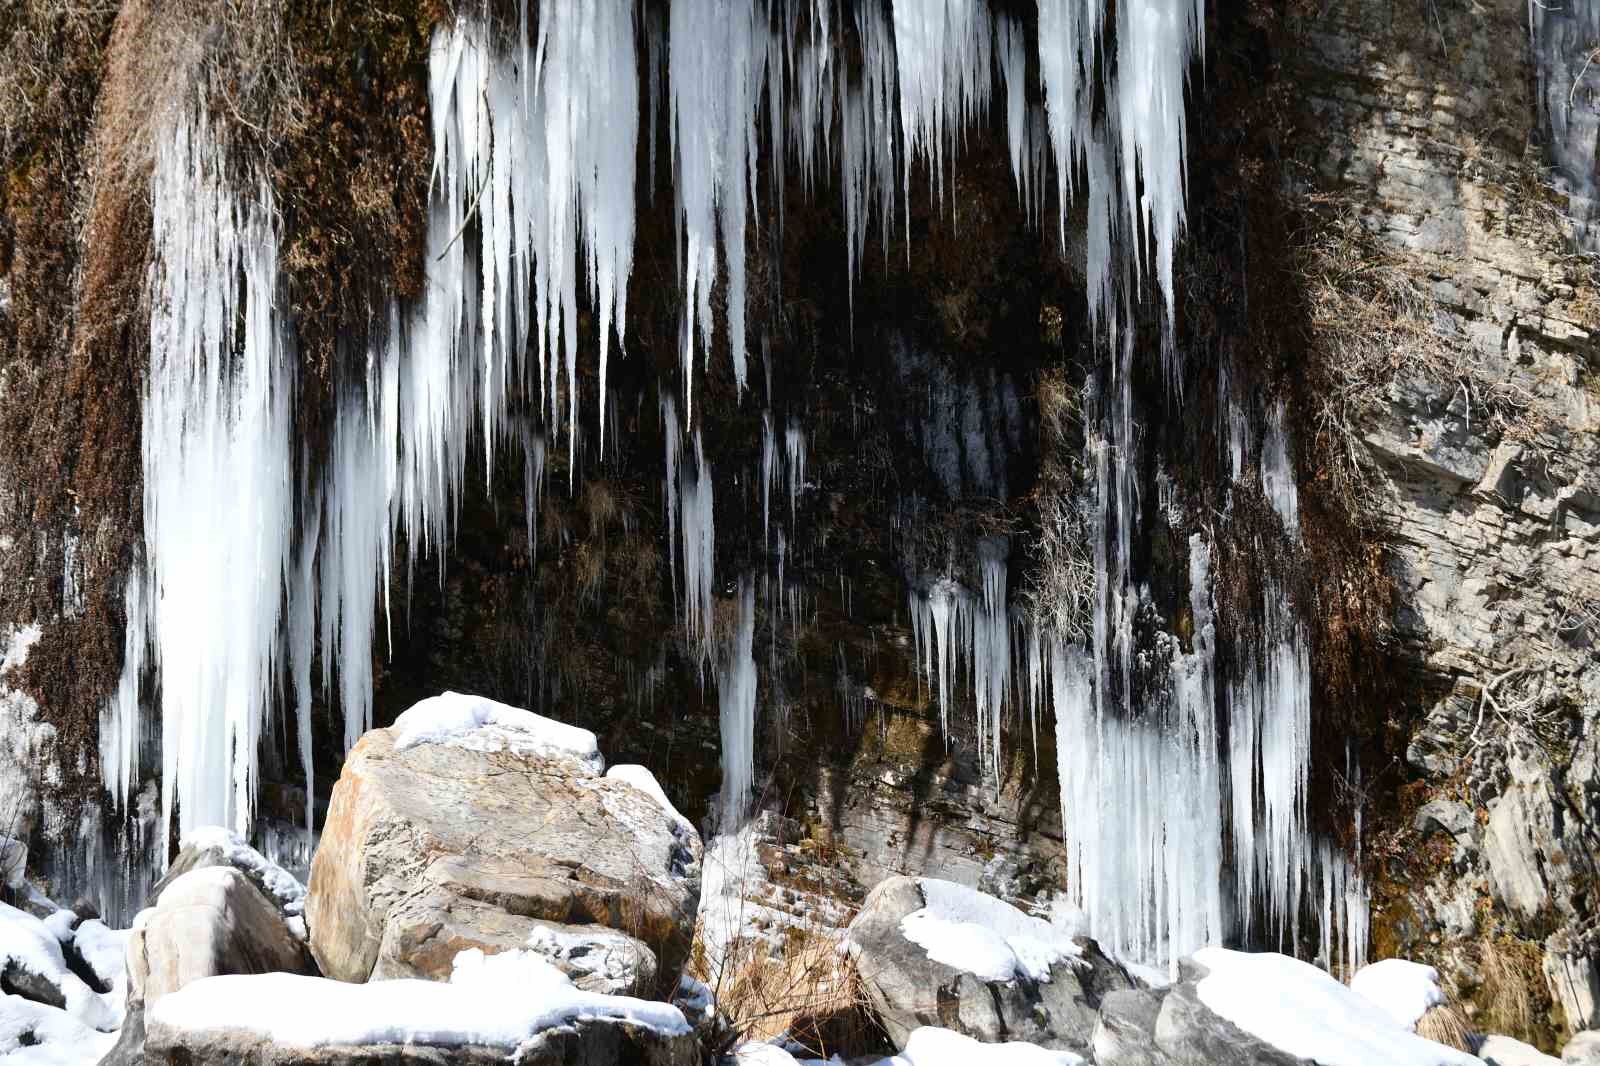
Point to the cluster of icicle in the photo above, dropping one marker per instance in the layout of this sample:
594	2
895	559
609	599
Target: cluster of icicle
1160	797
252	560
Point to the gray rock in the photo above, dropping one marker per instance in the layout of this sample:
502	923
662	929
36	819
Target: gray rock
129	1048
1574	980
16	979
907	989
1582	1050
1125	1032
209	921
1189	1034
438	847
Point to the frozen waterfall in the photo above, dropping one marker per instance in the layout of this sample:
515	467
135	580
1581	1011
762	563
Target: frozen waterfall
254	559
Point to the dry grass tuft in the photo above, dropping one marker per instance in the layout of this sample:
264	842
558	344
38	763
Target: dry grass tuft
1060	586
807	990
1445	1024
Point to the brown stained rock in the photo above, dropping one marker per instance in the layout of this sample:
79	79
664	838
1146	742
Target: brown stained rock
453	846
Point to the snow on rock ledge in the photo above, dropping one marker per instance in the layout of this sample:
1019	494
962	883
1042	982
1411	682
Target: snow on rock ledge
480	724
514	1006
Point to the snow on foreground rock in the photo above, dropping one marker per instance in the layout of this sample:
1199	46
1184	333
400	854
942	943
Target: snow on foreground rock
1402	988
49	1016
1301	1010
935	953
927	1046
983	935
514	1003
32	961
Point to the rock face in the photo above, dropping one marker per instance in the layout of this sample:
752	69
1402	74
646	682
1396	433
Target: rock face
209	921
434	848
907	988
1486	460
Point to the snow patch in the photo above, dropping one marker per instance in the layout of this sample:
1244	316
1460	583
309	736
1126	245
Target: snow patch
983	935
479	724
27	943
1404	989
493	1001
642	779
1299	1009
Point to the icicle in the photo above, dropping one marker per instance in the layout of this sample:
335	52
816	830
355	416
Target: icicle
533	458
769	471
699	553
1277	473
943	51
120	717
218	497
1156	42
794	457
302	644
674	445
715	71
736	700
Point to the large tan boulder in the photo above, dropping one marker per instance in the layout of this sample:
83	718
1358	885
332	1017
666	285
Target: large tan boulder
470	824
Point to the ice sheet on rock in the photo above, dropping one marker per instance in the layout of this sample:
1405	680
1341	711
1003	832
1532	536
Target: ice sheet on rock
27	943
480	724
1402	988
33	1034
490	1001
1299	1009
283	886
642	779
736	702
983	935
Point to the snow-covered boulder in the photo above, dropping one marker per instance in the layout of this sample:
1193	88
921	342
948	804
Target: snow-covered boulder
934	953
1286	1011
511	1007
33	966
1496	1050
1582	1050
209	921
216	846
471	824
